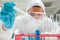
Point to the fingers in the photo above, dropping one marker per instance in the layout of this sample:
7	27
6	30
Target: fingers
3	28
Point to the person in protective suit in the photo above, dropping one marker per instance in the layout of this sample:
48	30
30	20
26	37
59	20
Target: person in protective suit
35	18
7	17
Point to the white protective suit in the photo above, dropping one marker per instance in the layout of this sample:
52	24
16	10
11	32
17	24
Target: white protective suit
5	35
27	24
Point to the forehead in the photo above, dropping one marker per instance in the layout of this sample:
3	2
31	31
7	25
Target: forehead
36	9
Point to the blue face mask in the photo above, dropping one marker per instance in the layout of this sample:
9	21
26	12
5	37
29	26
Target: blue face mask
7	15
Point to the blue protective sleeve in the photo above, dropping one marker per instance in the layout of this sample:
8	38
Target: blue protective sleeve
8	14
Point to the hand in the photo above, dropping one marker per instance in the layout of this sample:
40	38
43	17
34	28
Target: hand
8	14
3	28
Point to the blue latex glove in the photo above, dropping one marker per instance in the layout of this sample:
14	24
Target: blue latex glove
8	14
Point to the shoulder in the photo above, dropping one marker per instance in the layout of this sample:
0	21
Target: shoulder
20	17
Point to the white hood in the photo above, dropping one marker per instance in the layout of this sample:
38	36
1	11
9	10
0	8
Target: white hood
36	2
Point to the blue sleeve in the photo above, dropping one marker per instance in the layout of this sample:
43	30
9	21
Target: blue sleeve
8	14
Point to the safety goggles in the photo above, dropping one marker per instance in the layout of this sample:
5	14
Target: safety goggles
36	13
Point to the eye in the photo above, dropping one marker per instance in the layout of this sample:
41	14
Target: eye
32	14
39	15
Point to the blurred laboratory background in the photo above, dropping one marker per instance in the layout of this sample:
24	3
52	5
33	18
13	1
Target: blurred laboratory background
52	8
